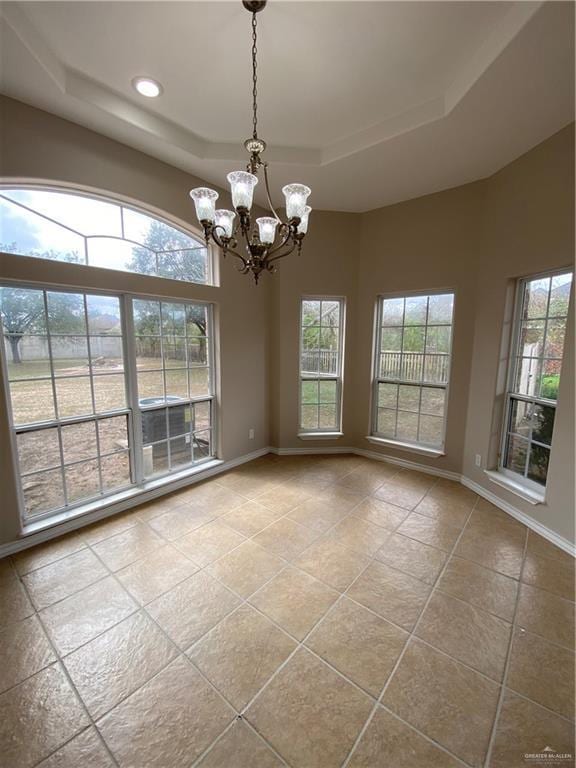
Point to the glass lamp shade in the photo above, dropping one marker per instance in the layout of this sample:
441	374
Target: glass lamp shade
296	196
205	202
242	186
267	229
303	226
225	219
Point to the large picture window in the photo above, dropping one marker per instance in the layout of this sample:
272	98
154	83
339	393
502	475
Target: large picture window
321	360
412	368
85	229
534	376
106	391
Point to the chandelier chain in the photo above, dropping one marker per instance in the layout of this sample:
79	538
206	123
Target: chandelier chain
254	77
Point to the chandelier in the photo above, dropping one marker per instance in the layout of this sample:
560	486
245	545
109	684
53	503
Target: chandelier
271	239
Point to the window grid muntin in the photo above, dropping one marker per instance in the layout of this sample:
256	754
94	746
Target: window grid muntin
520	320
317	375
398	381
208	266
129	371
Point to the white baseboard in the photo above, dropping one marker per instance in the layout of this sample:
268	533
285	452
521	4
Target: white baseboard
529	522
81	521
74	523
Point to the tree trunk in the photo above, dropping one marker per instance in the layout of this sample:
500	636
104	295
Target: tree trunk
14	341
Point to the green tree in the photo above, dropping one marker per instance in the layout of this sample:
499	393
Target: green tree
179	257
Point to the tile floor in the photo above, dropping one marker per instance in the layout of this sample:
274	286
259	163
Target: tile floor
311	612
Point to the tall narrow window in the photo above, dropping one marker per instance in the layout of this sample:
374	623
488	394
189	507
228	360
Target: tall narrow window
106	391
321	359
534	376
412	368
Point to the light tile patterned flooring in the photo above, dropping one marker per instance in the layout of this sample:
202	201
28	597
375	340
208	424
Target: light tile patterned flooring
300	611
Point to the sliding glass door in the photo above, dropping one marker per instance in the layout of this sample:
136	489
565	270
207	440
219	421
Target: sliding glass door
106	392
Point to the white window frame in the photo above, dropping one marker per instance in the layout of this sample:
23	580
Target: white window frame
378	437
139	483
538	490
338	377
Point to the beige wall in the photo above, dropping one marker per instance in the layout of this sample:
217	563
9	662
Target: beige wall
37	145
474	239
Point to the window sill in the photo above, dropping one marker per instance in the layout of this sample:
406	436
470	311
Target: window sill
532	497
320	435
101	508
432	452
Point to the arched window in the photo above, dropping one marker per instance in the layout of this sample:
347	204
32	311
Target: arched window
84	229
108	391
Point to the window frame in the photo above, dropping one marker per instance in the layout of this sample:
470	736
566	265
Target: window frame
510	395
374	435
139	483
186	228
319	432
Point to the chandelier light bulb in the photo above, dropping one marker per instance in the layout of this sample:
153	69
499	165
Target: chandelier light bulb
296	196
242	186
267	229
303	226
225	219
205	202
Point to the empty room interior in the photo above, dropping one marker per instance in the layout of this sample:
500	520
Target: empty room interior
287	384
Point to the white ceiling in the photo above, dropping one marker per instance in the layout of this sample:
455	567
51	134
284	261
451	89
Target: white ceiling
369	103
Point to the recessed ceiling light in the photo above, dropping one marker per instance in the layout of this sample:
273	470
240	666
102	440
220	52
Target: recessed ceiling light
147	87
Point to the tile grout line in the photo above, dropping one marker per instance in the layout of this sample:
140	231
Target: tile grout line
503	689
403	652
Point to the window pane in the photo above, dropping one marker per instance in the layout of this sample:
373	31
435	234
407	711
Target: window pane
327	391
388	395
189	264
115	471
560	295
516	453
543	423
392	311
310	391
409	398
179	420
520	417
173	319
202	416
106	354
412	366
309	417
82	481
104	315
407	426
146	317
327	418
415	310
431	428
387	422
531	338
22	310
74	396
310	362
66	313
109	253
148	353
197	351
555	333
413	339
390	365
202	445
536	297
180	451
26	356
177	384
79	441
391	340
150	387
109	393
32	401
113	434
441	308
70	355
38	450
330	314
433	400
438	339
155	458
528	371
174	352
310	313
538	464
436	369
199	379
43	492
154	426
550	380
